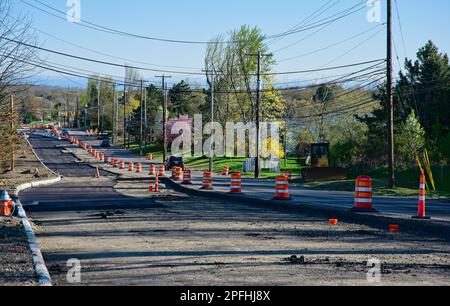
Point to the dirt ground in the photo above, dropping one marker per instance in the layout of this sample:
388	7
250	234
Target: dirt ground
197	241
16	268
28	169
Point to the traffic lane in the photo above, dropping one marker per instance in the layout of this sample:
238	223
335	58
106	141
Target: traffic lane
80	196
227	243
50	151
336	199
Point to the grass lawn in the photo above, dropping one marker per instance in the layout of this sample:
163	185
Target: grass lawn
407	181
236	164
155	150
41	123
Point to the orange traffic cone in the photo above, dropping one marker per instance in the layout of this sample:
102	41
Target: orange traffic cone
97	173
421	213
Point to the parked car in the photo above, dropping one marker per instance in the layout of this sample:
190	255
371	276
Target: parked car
174	162
105	143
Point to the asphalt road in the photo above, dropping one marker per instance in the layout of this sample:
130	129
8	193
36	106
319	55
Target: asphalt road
123	235
51	151
265	189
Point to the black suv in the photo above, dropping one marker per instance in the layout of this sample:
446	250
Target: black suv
174	162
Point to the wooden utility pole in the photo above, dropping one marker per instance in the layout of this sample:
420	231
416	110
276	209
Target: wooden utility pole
98	106
164	88
11	132
145	121
125	116
390	102
259	55
141	119
113	118
213	83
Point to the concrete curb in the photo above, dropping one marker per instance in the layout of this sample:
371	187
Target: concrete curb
38	260
377	220
26	186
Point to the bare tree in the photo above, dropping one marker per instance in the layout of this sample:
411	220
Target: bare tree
17	64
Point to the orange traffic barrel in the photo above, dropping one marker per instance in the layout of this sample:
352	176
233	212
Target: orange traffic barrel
288	173
178	174
114	162
131	166
207	181
421	212
173	173
363	194
152	170
282	188
236	182
187	177
226	170
162	171
105	158
122	165
138	168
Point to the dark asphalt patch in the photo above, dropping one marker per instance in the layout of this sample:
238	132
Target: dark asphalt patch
49	151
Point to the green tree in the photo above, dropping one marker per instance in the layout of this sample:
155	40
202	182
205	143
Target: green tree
181	100
411	139
233	69
424	88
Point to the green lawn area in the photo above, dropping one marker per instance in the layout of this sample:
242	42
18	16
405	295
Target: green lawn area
41	123
407	181
236	164
155	150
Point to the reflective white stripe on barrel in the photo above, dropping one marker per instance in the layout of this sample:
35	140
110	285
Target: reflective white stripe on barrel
360	200
363	189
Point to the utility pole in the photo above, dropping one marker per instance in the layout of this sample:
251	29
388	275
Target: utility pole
114	109
141	119
164	87
76	122
390	102
124	116
259	55
11	127
98	105
211	155
85	117
145	121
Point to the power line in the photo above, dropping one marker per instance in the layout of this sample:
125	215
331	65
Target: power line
97	27
330	46
99	52
310	17
179	72
312	34
95	60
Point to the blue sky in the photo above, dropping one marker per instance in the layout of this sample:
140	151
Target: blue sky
202	20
